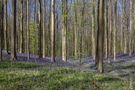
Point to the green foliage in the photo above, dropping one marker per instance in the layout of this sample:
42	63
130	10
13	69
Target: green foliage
9	64
33	39
17	77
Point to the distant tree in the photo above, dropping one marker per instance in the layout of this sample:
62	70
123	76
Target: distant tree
110	28
114	29
1	13
40	31
5	24
21	27
93	29
52	27
131	27
44	28
27	30
64	30
7	27
75	29
13	33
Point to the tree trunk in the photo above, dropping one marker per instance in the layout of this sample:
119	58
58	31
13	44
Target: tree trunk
114	32
40	30
1	13
27	28
21	28
93	30
52	30
100	36
64	29
44	31
75	30
13	34
130	31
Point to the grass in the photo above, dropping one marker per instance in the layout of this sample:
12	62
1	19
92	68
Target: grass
29	76
22	65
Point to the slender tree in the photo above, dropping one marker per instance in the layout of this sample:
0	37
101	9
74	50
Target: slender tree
64	29
52	30
13	33
21	27
1	2
75	29
44	31
110	28
7	25
27	30
130	28
93	29
114	30
40	30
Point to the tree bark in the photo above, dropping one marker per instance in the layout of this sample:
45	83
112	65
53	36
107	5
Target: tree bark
13	33
52	30
1	13
40	30
100	36
93	29
64	29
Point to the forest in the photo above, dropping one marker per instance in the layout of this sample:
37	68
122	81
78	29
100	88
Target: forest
67	44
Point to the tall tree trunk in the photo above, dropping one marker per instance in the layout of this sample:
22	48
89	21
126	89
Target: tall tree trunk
44	31
64	29
1	13
13	33
23	31
27	28
5	27
114	31
110	28
52	30
35	23
93	29
106	30
40	30
75	30
131	23
21	28
100	36
121	34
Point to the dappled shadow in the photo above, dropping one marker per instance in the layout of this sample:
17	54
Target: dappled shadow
112	67
108	79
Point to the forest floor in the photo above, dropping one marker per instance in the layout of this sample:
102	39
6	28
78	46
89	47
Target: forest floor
70	75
